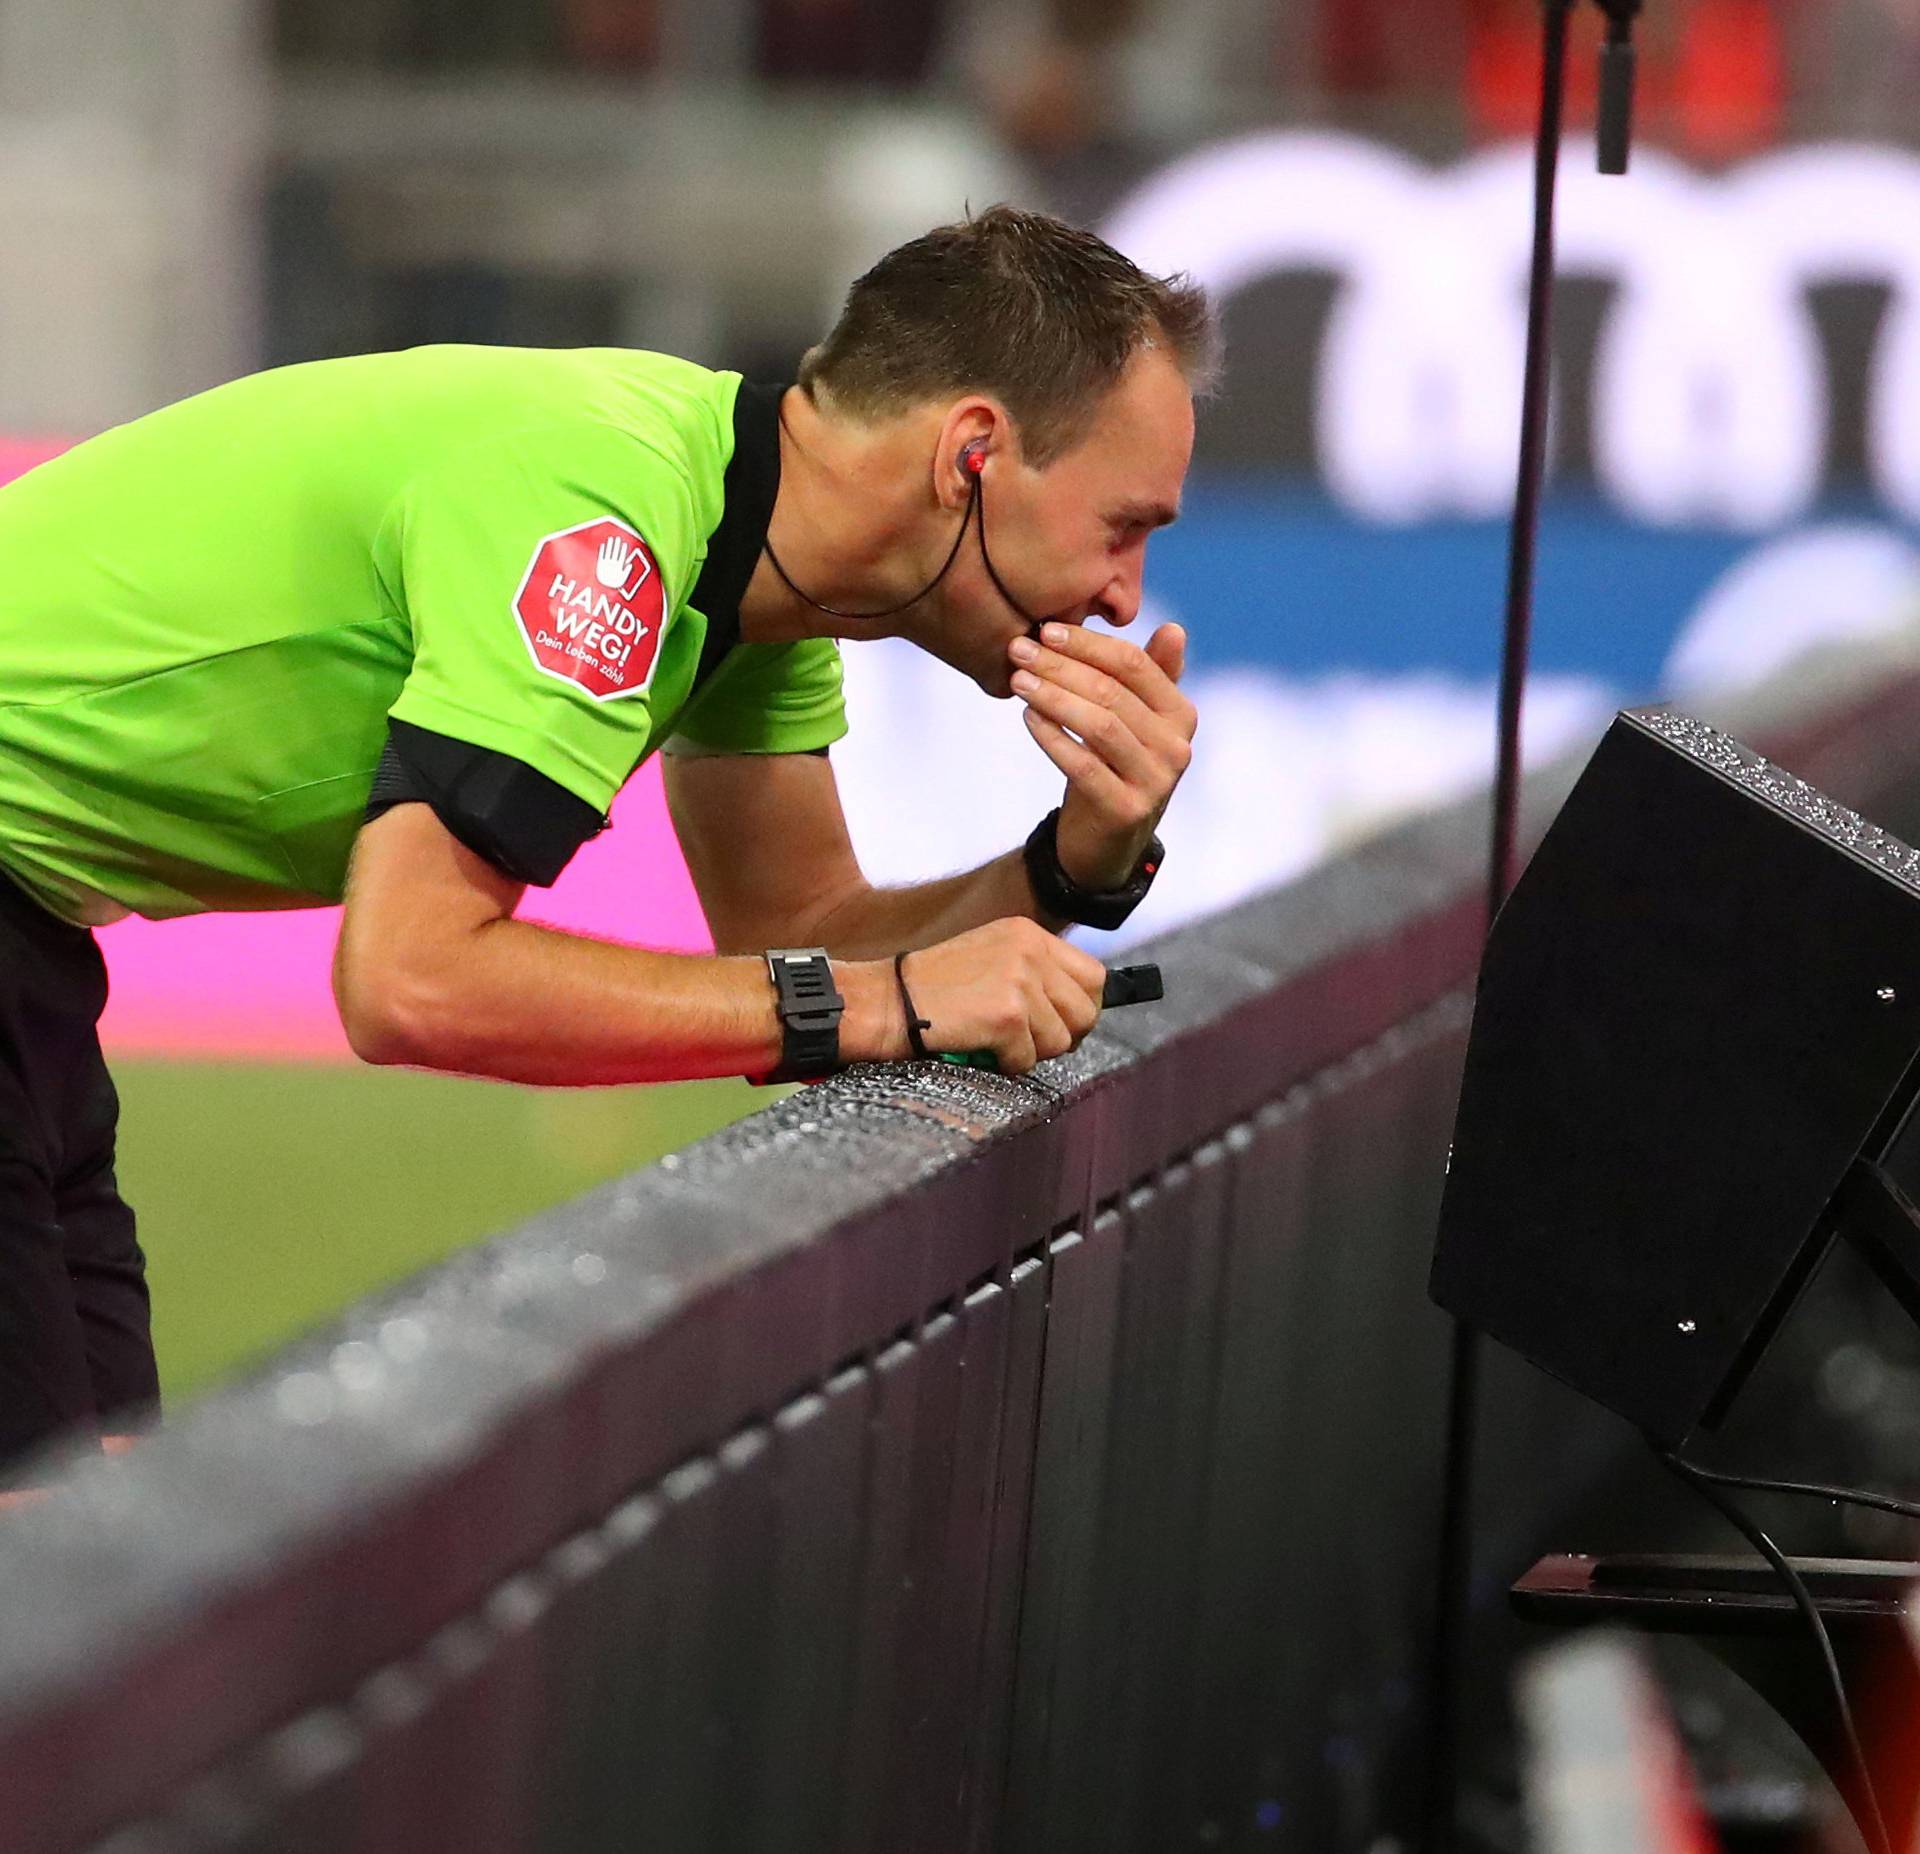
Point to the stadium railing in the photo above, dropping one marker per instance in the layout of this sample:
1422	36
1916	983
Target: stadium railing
934	1461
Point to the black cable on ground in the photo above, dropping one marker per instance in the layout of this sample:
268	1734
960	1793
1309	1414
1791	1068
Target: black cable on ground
1703	1483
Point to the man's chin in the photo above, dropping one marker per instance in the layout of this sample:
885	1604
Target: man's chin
990	678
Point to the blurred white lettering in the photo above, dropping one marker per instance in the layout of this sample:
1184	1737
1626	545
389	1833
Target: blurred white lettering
1711	401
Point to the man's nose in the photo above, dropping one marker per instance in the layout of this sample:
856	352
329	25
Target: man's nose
1119	604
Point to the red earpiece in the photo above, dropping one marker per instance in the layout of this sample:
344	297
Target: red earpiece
973	458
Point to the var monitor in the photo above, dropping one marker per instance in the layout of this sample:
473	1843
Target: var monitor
1695	1034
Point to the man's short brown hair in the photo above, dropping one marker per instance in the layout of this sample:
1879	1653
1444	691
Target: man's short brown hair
1043	316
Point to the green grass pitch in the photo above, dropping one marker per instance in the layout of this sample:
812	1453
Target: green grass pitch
271	1196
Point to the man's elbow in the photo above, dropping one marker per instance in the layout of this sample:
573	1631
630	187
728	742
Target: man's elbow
380	1034
377	1038
395	1018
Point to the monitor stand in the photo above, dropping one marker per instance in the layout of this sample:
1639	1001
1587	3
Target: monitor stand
1872	1215
1879	1220
1735	1608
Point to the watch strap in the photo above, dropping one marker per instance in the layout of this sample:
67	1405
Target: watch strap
810	1007
1062	896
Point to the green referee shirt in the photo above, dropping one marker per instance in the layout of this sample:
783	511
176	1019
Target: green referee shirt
208	616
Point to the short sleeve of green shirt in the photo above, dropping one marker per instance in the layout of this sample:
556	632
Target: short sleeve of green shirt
544	577
768	698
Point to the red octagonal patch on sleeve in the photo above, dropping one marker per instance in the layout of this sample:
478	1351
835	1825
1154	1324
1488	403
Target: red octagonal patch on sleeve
592	609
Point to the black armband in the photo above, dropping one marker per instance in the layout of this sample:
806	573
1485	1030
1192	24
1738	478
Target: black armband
523	823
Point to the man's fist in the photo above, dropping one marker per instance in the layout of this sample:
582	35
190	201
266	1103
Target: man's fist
1010	987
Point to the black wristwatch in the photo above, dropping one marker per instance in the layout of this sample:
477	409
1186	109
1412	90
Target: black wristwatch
1062	896
810	1006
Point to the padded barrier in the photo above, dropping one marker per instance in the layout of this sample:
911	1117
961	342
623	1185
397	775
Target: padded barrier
935	1461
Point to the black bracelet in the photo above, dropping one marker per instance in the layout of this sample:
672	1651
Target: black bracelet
915	1022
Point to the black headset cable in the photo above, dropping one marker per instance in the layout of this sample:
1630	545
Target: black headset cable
974	464
893	611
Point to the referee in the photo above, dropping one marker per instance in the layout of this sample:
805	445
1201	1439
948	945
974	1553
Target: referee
396	629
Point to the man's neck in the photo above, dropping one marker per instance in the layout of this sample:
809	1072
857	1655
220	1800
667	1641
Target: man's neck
846	526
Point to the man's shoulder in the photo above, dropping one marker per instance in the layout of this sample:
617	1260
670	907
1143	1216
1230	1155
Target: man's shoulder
572	406
446	398
657	397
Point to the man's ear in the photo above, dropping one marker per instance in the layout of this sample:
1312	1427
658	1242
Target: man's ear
971	430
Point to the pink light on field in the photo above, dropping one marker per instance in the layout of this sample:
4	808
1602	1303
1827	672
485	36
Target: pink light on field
259	984
19	455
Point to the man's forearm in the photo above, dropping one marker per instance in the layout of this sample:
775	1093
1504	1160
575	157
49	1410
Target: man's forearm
879	922
519	1002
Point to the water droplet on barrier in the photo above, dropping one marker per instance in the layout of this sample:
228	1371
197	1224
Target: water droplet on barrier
403	1339
589	1270
1793	796
357	1365
1689	1326
305	1398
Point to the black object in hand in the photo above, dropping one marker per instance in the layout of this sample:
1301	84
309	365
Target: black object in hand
1125	985
1132	985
